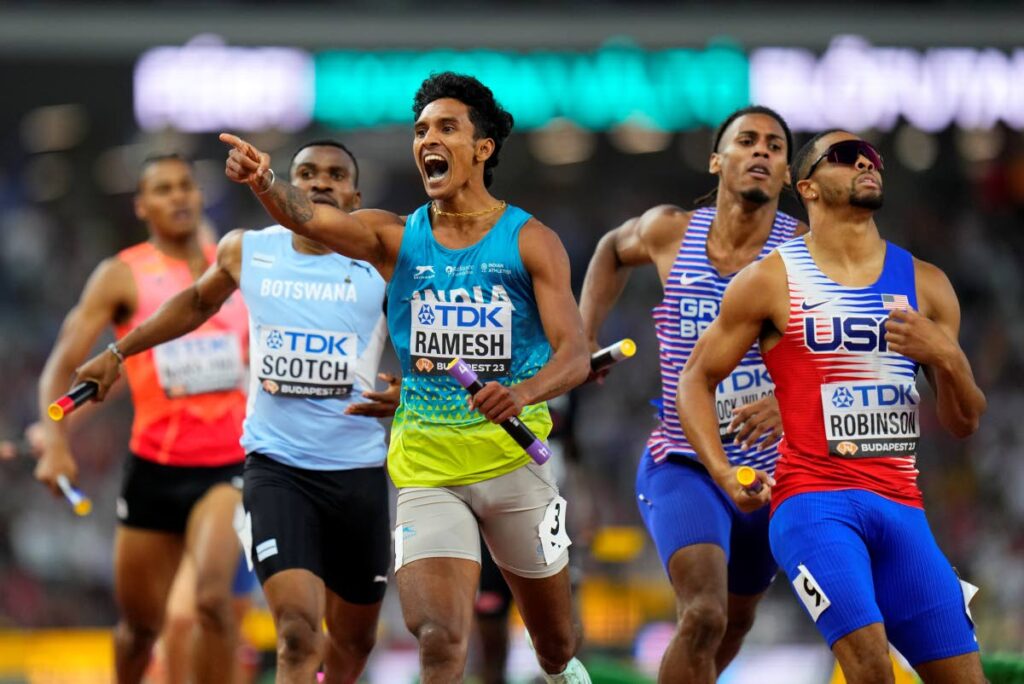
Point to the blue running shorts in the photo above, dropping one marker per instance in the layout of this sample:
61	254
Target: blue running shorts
856	558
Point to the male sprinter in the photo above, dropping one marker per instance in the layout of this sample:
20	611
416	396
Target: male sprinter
716	556
845	319
469	276
179	492
315	491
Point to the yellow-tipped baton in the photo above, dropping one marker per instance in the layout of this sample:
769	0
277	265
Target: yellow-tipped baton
79	394
80	503
610	355
747	477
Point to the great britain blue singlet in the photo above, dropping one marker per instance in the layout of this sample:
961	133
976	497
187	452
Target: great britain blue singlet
693	295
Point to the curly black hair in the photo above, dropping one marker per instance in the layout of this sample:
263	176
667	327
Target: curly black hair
803	160
489	118
711	197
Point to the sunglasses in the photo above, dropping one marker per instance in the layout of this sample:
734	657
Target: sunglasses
847	153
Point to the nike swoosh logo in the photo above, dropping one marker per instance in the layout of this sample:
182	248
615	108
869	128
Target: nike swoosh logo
808	305
690	279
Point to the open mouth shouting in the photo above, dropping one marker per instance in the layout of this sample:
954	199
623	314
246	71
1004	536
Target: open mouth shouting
435	167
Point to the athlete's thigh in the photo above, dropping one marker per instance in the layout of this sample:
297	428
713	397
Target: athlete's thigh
211	539
752	566
522	518
818	541
918	591
435	522
181	601
145	563
282	523
356	534
438	591
681	508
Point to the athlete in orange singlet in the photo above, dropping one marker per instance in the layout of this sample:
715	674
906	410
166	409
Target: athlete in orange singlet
181	479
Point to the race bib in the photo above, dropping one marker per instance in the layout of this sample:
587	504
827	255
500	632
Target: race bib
199	364
745	385
314	364
553	537
870	419
479	334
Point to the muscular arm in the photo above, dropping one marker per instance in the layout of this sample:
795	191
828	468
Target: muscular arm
638	241
931	339
367	235
548	264
179	315
746	307
109	292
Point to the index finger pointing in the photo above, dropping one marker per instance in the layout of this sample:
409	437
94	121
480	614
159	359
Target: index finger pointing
233	140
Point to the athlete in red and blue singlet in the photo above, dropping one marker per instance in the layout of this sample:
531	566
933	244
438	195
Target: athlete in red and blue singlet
845	321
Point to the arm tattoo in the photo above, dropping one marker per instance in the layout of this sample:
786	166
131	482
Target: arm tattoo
291	201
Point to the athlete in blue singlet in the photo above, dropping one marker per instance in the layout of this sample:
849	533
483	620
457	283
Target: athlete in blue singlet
316	525
845	320
474	277
717	558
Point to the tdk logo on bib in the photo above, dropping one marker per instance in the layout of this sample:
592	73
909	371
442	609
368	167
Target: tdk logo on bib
849	333
842	398
458	323
314	364
462	316
309	342
873	396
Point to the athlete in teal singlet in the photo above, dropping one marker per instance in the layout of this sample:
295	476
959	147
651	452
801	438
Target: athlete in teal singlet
473	277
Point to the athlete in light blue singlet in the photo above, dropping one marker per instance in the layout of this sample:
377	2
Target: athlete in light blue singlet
717	558
315	493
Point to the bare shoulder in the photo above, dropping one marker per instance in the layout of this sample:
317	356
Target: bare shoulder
760	288
231	244
539	246
663	225
111	289
935	294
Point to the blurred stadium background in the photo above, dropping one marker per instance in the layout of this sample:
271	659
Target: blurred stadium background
614	102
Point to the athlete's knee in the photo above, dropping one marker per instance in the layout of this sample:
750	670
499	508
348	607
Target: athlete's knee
702	624
439	643
136	635
355	646
214	608
179	624
873	668
298	636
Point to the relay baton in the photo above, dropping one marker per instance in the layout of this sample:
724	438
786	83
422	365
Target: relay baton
80	503
516	429
79	394
609	356
747	478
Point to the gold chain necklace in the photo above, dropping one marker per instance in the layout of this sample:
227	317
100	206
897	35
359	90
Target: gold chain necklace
468	214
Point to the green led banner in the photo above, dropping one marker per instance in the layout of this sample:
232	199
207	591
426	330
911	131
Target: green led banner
669	89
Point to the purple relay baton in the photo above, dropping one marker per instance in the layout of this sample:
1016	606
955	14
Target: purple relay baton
516	429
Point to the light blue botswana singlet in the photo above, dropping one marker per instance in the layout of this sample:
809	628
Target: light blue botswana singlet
316	334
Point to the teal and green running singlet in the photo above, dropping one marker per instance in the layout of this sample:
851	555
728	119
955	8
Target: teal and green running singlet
476	304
